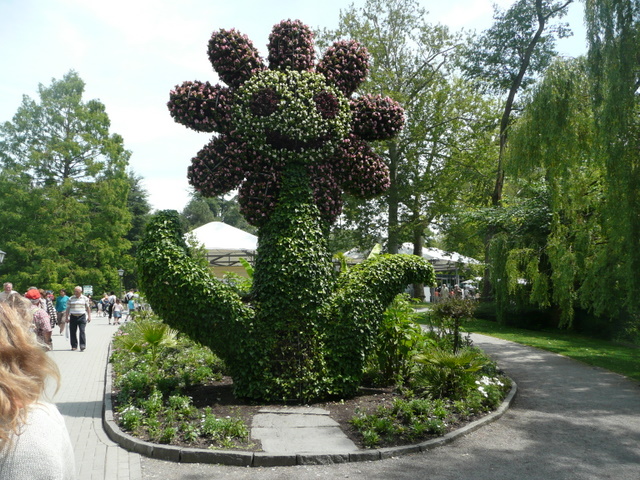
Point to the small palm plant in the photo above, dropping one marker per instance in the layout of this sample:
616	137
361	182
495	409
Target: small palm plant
445	374
148	334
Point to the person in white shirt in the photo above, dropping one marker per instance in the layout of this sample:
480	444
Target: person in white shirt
34	441
78	315
7	289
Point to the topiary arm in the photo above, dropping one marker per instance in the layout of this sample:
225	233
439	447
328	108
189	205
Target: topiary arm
355	311
185	294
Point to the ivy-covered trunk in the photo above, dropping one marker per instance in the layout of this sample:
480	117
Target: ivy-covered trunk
292	279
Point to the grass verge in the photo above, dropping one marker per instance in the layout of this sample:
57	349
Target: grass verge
612	356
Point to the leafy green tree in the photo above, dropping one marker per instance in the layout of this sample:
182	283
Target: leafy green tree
64	213
440	153
140	210
613	28
505	60
552	146
201	210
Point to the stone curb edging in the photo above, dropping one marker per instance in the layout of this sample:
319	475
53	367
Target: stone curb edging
262	459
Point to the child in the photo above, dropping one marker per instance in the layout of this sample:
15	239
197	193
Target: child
131	308
117	312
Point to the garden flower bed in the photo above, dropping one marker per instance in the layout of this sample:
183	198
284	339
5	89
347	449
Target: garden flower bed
170	390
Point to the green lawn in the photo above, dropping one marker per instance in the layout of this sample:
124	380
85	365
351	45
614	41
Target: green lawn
621	359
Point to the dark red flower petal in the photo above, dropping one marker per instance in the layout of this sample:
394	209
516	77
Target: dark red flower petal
201	107
234	57
291	46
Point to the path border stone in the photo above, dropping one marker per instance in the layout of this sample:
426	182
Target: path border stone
262	459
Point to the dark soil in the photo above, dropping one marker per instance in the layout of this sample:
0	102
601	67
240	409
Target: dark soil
220	399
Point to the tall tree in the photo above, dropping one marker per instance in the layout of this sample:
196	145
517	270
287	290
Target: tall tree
438	152
552	146
66	215
505	59
613	28
140	210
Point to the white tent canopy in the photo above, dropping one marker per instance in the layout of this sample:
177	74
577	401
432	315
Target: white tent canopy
225	244
441	260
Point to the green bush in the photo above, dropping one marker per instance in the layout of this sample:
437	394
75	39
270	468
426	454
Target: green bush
398	341
148	402
450	313
134	384
410	419
221	428
444	374
168	435
181	404
406	420
131	418
151	356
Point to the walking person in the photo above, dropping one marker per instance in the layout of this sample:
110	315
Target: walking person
47	305
40	318
444	293
117	312
131	308
78	314
102	305
61	308
111	301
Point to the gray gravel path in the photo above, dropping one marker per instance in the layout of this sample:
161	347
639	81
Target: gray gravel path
569	421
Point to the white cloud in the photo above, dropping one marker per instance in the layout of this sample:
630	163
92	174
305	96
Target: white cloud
167	193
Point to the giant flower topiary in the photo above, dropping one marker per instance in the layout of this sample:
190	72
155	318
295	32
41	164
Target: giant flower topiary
292	138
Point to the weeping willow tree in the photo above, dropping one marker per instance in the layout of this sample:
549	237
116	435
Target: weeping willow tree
579	140
613	28
551	153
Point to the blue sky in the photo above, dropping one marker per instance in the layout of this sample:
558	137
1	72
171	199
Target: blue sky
131	53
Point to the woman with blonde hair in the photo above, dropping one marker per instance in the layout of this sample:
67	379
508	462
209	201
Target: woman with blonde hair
34	441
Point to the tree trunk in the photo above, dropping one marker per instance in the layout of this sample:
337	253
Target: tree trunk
418	288
393	235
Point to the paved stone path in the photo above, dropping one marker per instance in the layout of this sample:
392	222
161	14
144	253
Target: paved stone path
80	402
293	430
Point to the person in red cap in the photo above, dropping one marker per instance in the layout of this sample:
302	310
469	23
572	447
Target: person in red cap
41	319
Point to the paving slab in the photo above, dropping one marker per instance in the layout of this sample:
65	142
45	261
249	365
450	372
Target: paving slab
299	430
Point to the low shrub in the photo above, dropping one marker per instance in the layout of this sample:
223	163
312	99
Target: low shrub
443	374
223	428
414	419
152	366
